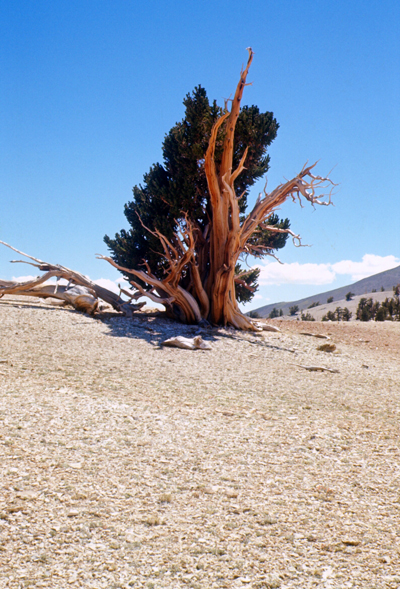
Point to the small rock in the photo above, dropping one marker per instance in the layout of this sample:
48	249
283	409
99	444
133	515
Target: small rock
210	490
328	572
312	538
130	538
327	348
93	546
75	464
268	520
273	581
153	520
73	513
27	495
351	541
384	559
79	496
231	494
73	578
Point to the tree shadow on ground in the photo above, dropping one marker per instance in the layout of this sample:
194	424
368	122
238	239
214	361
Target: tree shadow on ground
154	328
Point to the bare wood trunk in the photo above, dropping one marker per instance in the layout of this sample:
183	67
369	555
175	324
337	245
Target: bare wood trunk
210	258
228	237
174	294
225	229
80	297
81	292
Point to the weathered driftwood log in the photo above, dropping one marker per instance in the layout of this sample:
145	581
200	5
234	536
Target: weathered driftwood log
186	343
80	292
80	297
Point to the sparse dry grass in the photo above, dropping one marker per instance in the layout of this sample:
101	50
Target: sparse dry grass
128	465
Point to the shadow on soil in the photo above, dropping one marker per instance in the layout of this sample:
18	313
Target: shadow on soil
154	328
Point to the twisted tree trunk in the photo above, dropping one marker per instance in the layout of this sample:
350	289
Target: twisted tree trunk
209	259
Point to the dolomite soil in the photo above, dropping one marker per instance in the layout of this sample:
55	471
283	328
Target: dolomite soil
126	464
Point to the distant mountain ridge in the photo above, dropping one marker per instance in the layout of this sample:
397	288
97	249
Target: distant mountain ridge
386	279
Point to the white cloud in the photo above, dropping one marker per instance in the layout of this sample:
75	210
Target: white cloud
318	274
109	284
369	265
295	273
31	277
23	278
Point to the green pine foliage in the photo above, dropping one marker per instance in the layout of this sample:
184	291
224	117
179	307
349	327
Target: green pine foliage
346	314
306	316
178	187
339	314
243	294
388	310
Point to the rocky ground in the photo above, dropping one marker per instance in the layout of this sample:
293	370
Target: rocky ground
127	464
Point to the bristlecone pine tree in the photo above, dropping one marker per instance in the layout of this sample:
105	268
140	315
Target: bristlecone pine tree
189	227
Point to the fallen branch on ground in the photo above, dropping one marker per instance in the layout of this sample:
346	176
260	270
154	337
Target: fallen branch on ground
317	368
80	292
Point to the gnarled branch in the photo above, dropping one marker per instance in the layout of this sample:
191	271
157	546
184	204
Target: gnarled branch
83	298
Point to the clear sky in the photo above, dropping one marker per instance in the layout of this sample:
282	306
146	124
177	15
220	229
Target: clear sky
89	89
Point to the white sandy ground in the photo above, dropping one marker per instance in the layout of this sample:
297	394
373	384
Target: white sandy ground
125	464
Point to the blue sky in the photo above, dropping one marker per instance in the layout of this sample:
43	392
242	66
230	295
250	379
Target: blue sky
89	90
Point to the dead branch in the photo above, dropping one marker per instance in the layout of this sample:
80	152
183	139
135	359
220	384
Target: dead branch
81	292
175	294
317	368
304	184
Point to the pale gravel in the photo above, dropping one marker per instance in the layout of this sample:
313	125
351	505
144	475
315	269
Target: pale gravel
125	464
